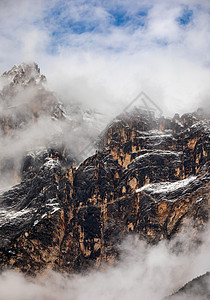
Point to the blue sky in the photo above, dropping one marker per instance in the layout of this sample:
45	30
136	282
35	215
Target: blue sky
76	23
115	48
94	18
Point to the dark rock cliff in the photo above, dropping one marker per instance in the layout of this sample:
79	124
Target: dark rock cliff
150	176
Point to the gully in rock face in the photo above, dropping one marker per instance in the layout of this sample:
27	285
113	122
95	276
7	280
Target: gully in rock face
149	176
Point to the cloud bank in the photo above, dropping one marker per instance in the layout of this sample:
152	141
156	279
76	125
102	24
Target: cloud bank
144	272
103	53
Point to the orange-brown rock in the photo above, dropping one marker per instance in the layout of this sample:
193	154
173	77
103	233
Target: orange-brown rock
149	177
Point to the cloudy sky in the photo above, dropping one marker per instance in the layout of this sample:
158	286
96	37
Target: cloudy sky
104	52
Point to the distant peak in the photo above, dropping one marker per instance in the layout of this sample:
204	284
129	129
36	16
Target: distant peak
24	74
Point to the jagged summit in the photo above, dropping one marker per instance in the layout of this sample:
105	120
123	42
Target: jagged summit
24	74
149	178
24	98
32	115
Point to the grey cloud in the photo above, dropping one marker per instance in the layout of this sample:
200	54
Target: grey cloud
112	66
144	272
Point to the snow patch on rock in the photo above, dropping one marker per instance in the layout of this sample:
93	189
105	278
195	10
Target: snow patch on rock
166	187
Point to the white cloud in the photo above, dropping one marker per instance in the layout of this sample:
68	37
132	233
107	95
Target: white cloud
168	60
144	272
106	68
33	44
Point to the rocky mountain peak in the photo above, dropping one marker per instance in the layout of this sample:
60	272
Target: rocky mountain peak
150	177
72	206
24	74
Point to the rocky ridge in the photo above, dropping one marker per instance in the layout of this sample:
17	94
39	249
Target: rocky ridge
198	288
149	176
34	117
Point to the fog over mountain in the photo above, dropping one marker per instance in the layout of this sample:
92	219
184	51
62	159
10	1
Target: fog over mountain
34	117
145	272
124	194
39	120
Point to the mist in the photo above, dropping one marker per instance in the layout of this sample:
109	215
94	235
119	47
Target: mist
143	272
74	134
113	83
103	54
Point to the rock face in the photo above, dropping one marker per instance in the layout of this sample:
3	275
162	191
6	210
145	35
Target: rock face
198	288
149	176
24	98
32	116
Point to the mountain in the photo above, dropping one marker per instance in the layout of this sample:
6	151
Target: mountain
34	117
198	288
149	176
24	97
